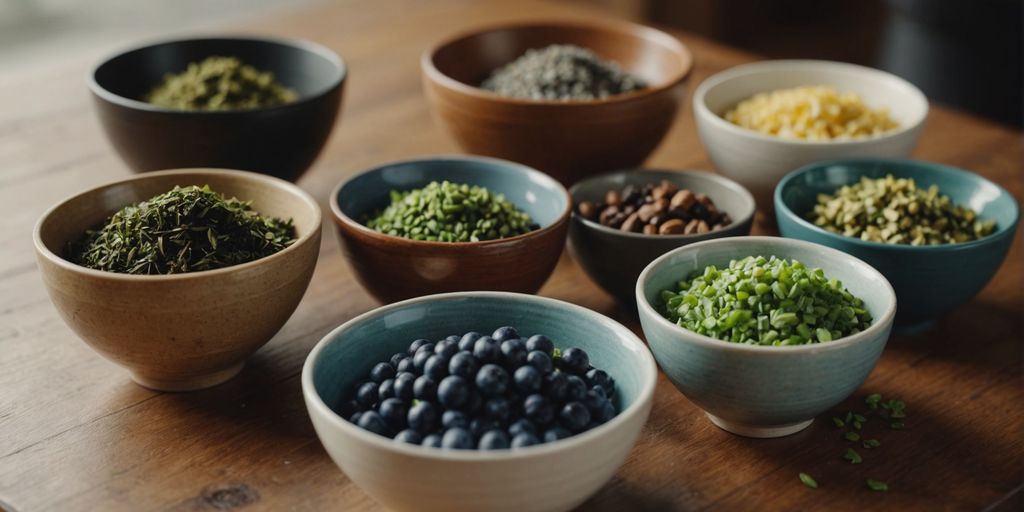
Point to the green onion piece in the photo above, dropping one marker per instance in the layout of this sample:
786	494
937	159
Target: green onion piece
852	456
877	485
872	443
851	436
838	422
808	481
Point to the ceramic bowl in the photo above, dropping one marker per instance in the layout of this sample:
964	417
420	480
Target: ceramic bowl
548	477
182	331
614	258
764	391
929	280
758	161
280	141
568	140
393	268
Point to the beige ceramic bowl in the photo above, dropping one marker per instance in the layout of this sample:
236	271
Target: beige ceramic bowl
185	331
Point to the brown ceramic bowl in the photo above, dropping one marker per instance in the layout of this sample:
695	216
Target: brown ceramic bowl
568	140
183	331
393	268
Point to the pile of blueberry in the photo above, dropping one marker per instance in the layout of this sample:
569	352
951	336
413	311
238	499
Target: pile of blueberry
483	392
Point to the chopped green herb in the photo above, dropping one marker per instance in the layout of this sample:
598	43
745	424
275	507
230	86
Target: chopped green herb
852	456
896	425
872	400
872	443
857	425
808	481
859	418
838	422
851	436
849	417
877	485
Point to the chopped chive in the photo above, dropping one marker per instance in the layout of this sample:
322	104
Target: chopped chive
857	425
852	456
872	400
859	418
872	443
808	481
848	418
851	436
838	422
896	425
877	485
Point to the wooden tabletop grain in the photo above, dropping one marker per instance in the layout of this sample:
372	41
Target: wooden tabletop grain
77	434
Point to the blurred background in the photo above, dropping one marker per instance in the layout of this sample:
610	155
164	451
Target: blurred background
963	53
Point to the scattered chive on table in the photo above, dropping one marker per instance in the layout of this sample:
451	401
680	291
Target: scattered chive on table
77	434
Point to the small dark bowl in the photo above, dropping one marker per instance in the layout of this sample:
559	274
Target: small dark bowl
281	141
392	268
614	258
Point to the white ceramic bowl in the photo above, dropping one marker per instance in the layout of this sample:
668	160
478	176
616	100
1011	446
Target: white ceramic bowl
758	161
548	477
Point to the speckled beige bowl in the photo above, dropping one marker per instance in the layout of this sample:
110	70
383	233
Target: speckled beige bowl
185	331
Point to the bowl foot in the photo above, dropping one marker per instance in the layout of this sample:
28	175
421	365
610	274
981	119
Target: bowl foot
189	383
758	431
913	328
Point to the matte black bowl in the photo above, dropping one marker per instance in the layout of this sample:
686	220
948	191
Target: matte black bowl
281	141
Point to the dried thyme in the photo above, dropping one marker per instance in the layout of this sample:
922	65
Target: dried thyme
220	83
187	229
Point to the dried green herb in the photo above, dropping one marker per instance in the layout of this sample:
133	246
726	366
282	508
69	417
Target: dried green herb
852	456
872	443
838	422
872	400
220	83
808	481
877	485
187	229
851	436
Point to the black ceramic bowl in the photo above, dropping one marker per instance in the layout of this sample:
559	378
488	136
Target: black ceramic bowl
280	141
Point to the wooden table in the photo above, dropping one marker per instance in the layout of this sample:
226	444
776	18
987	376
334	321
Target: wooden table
77	434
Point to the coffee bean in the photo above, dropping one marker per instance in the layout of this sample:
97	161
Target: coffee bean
672	227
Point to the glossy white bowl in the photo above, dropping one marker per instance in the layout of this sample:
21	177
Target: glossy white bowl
758	161
547	477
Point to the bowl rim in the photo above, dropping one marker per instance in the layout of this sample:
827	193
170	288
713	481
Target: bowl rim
646	394
878	326
750	69
782	208
262	179
733	186
636	30
346	222
340	67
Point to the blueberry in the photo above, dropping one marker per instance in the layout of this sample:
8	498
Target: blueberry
463	364
422	417
575	360
556	434
382	372
607	412
419	361
386	389
574	416
396	357
468	339
409	436
414	346
513	353
540	361
486	350
498	409
473	402
425	388
528	379
404	383
453	392
454	419
478	426
452	338
522	425
492	380
446	348
505	333
541	343
537	409
596	377
493	440
394	412
595	400
575	388
349	407
556	386
457	439
432	441
405	366
367	395
524	439
372	421
355	417
609	388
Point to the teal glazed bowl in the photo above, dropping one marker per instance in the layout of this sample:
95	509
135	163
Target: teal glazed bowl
929	280
392	268
552	476
764	391
614	258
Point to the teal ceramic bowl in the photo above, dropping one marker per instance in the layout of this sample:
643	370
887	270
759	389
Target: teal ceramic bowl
392	268
929	280
615	258
554	476
764	391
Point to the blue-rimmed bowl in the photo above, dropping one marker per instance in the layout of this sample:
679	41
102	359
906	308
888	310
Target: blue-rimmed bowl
554	476
393	268
929	280
764	391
